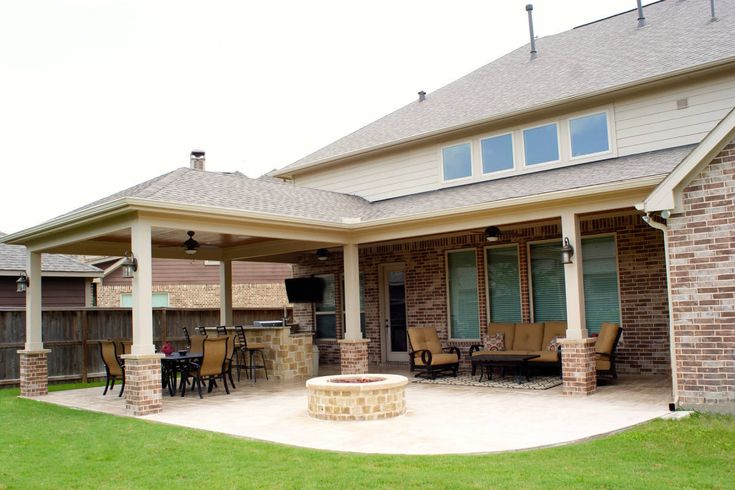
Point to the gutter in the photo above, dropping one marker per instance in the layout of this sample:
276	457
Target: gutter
648	218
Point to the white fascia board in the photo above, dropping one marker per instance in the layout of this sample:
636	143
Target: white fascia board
667	195
53	273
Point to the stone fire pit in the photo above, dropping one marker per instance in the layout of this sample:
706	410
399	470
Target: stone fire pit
357	396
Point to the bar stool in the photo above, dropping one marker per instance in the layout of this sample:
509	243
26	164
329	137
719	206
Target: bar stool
186	337
221	330
202	330
250	349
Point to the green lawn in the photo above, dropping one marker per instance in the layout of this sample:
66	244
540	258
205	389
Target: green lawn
45	446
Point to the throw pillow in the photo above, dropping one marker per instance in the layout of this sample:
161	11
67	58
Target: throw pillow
554	344
495	342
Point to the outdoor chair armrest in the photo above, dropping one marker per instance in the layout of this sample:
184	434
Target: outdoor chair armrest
425	356
454	350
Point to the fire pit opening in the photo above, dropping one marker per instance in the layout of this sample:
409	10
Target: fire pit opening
357	397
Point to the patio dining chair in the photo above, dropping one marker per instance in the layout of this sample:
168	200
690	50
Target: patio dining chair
202	330
212	366
196	342
247	353
605	349
221	330
186	337
114	368
427	354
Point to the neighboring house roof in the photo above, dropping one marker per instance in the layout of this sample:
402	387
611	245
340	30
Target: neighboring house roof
238	192
609	54
13	259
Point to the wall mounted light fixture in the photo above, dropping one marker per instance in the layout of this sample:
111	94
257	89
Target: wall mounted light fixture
129	265
322	254
566	252
22	283
492	234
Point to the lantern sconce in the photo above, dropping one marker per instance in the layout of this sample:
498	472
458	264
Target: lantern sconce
322	254
129	265
22	283
566	252
492	233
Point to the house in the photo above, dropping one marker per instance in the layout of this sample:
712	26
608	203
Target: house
195	284
613	140
66	281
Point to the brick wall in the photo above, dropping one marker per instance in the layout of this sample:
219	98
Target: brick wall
643	349
701	248
268	295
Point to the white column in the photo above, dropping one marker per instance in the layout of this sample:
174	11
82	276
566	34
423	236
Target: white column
140	238
352	292
34	335
225	293
574	279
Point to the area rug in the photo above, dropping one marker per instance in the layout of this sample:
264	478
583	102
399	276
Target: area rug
536	382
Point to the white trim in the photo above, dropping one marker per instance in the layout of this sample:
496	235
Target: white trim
444	180
10	272
555	122
667	195
448	295
488	313
384	309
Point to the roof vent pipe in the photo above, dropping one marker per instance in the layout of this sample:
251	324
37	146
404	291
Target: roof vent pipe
197	160
712	8
422	96
641	18
529	9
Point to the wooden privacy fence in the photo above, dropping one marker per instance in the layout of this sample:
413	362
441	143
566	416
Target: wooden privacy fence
73	335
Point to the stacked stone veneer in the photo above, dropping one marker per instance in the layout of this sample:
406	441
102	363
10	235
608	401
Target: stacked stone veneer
288	357
702	271
143	384
33	372
357	401
354	356
644	346
267	295
578	367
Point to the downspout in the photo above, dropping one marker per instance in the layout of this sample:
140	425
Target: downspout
674	381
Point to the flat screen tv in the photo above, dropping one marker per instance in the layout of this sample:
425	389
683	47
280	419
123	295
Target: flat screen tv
304	289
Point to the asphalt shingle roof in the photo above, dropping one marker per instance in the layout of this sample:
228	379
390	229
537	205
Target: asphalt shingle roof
13	258
596	57
238	192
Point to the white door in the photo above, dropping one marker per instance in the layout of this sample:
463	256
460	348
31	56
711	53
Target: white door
394	311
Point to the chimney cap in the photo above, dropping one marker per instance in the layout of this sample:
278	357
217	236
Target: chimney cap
422	95
529	7
197	153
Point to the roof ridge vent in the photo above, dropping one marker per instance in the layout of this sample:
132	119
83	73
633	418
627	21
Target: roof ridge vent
529	9
641	17
422	95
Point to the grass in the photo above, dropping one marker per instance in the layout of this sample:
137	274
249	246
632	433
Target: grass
46	446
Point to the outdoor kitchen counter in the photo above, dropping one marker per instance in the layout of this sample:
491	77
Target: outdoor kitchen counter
288	356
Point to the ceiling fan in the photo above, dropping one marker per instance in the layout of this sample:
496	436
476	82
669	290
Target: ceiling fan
191	246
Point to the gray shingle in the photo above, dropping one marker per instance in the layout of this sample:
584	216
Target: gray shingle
595	57
13	258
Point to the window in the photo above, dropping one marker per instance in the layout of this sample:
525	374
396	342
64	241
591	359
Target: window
589	134
541	144
464	318
362	305
325	313
158	300
497	153
457	161
601	301
547	278
504	285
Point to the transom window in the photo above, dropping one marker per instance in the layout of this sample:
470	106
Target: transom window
497	153
541	144
589	134
457	161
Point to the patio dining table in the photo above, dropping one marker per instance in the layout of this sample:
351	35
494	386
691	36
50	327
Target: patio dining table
174	364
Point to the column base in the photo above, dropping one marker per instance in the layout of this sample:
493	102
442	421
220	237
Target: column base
578	358
143	392
353	356
34	372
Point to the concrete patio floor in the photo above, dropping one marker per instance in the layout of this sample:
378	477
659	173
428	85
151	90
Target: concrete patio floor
439	420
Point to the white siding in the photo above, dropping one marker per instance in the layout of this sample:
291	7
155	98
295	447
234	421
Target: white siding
653	122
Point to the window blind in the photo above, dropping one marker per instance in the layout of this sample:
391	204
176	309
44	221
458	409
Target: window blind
504	284
547	277
463	303
601	302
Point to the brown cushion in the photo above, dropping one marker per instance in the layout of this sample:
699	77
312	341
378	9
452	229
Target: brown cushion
508	330
425	338
505	352
554	328
606	339
439	359
528	336
602	363
546	356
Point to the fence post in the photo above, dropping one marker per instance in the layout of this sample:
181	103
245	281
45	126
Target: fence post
164	327
84	325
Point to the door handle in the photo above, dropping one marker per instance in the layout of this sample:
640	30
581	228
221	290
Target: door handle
387	324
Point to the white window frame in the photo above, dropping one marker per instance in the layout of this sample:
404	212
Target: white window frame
472	162
559	149
448	295
320	313
487	284
511	170
590	156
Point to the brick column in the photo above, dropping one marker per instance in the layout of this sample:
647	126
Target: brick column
354	356
578	366
33	372
143	384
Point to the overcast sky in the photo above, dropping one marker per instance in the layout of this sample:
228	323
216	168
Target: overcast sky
99	95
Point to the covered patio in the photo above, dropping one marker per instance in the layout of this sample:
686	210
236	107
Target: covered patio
439	420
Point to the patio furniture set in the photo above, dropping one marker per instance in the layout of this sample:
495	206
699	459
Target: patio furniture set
519	346
206	357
